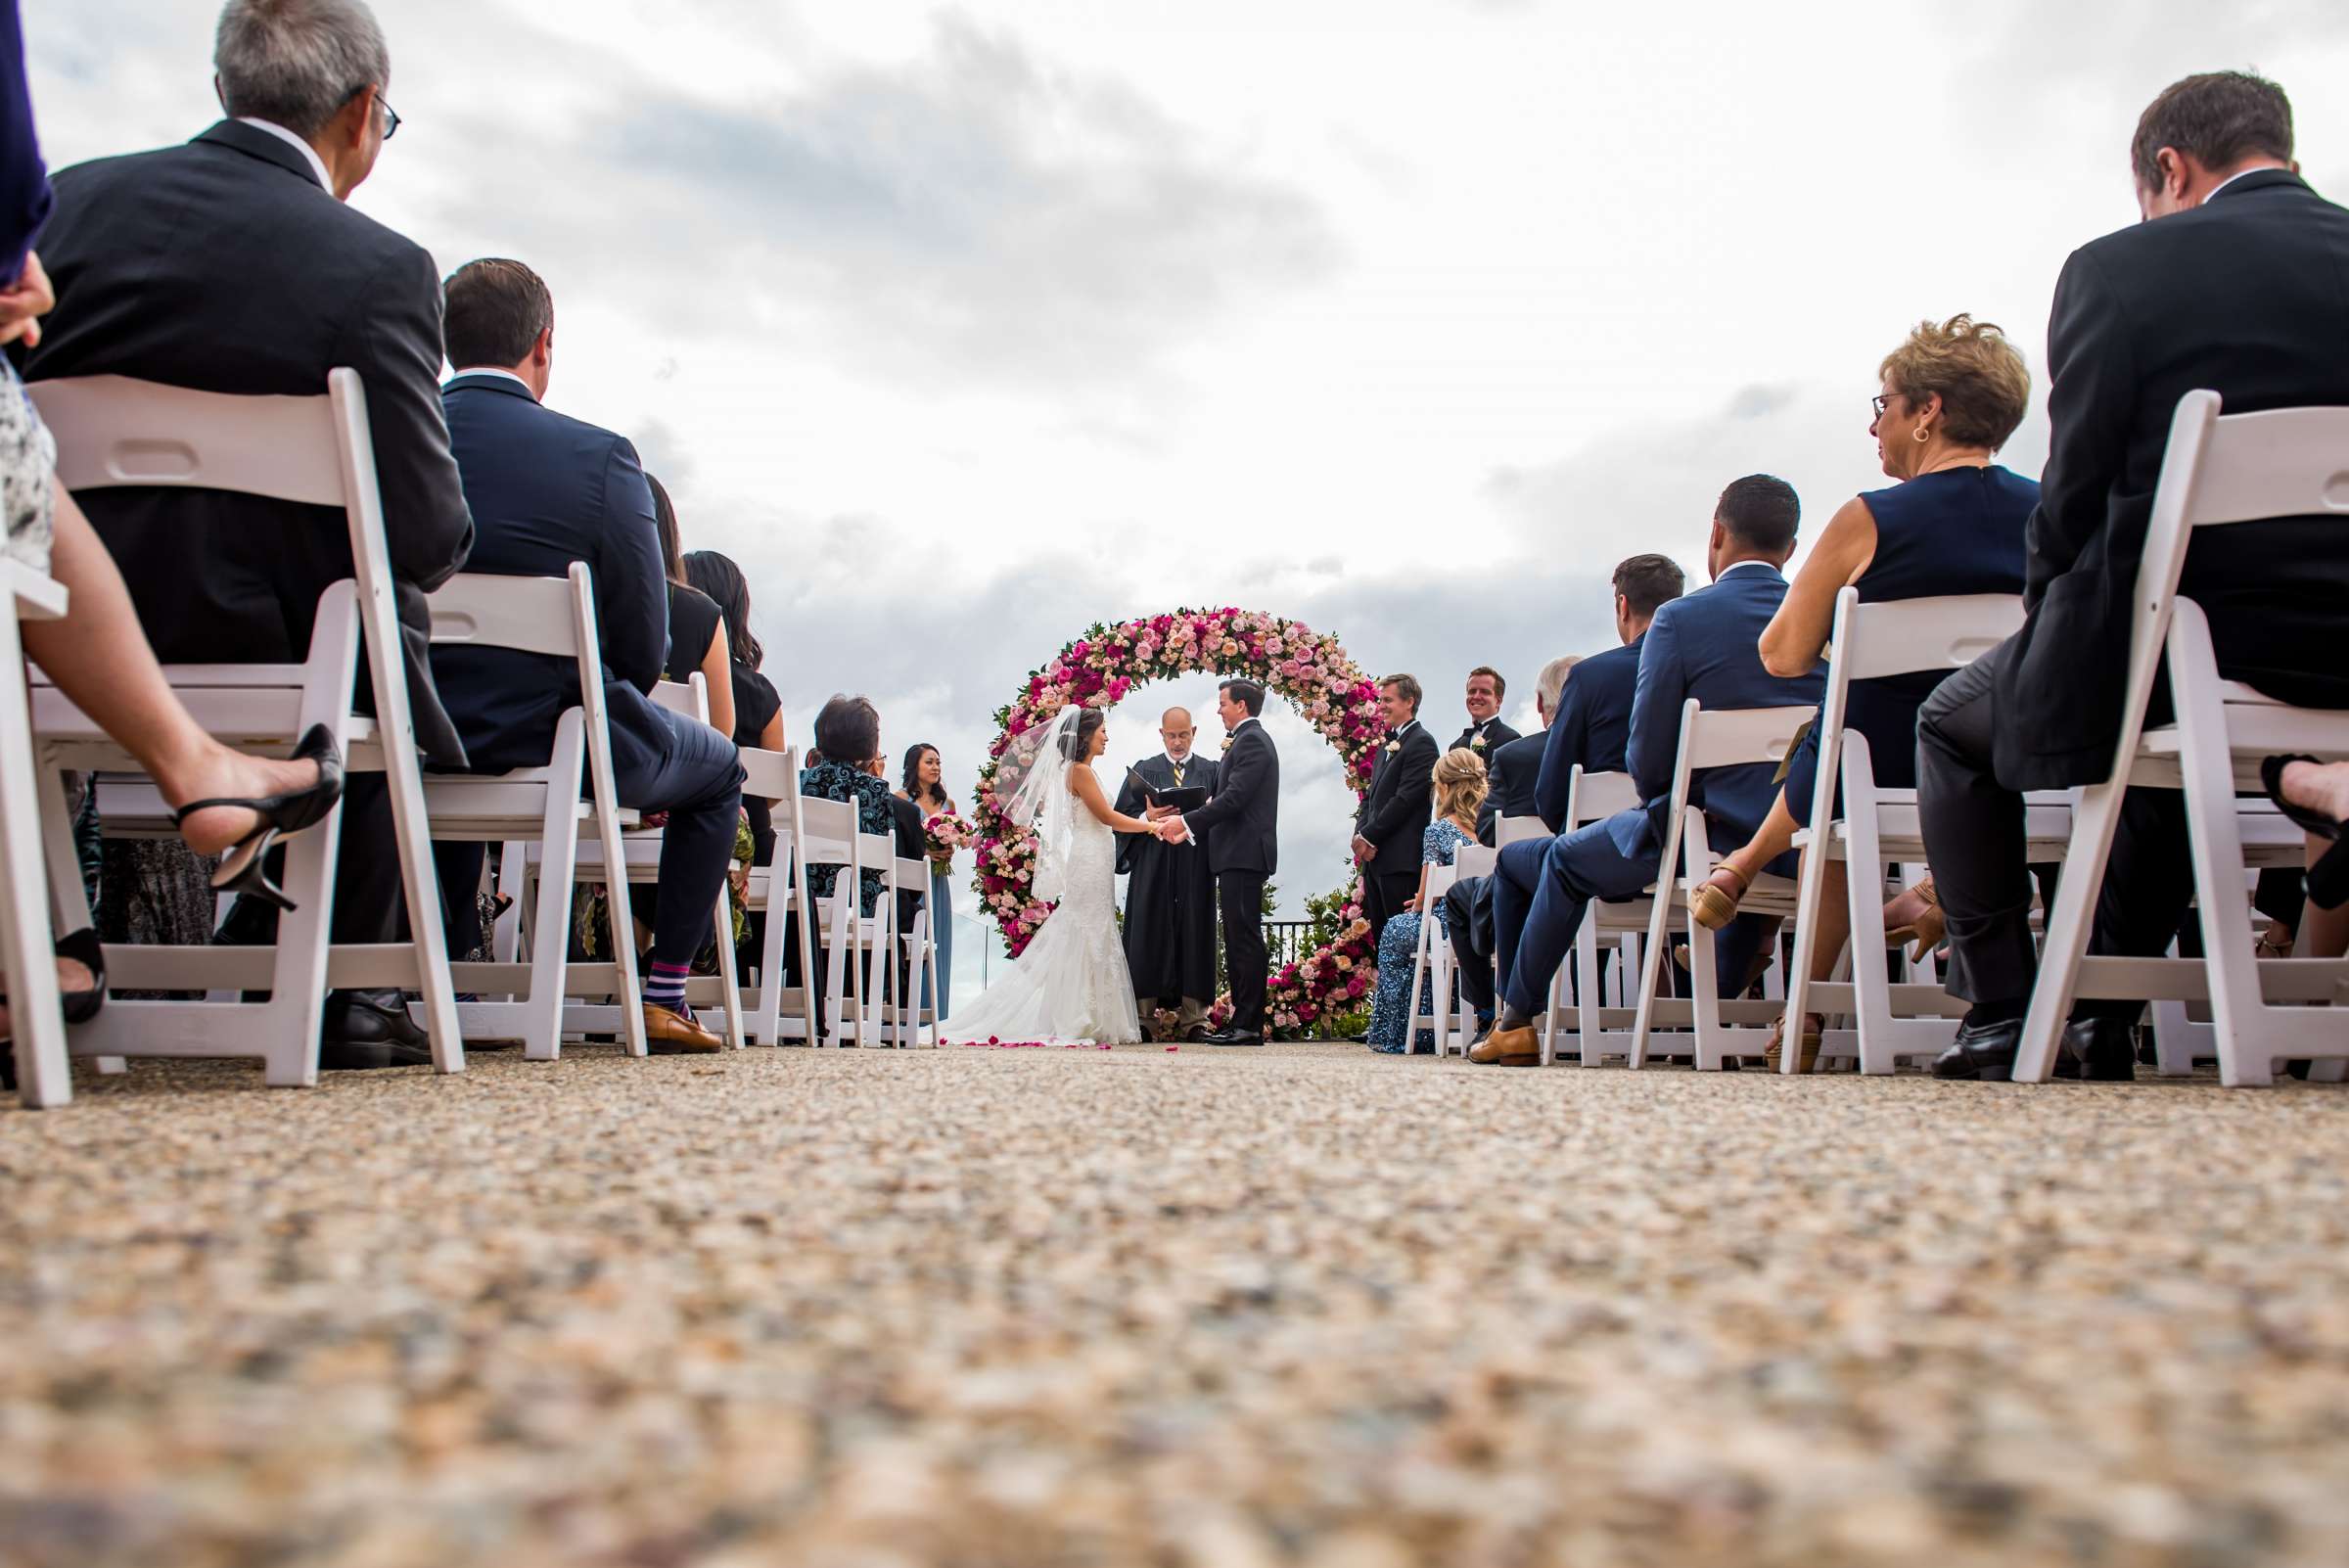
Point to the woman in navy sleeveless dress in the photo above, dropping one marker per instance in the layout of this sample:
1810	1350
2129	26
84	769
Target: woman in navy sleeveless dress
1954	524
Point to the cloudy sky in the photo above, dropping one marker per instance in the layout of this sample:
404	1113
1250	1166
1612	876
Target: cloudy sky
964	326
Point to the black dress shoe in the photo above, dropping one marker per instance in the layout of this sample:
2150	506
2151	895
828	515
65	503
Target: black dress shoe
2100	1051
370	1029
1197	1035
1234	1036
1983	1051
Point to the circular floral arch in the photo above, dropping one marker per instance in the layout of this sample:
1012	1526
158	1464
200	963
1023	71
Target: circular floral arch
1305	667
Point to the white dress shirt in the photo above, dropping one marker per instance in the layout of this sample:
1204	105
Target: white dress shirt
492	370
317	163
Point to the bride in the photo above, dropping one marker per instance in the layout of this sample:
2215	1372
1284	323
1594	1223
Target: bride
1070	983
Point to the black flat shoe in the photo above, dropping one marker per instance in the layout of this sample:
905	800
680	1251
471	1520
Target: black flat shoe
84	948
1981	1052
364	1021
2098	1051
283	817
2328	878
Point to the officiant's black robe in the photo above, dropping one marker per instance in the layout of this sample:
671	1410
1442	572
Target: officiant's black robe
1171	902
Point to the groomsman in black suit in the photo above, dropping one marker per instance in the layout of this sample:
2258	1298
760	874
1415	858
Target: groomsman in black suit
2239	283
1170	901
1486	732
1392	817
1243	851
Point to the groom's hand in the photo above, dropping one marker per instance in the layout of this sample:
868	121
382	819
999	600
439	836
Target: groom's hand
1363	850
1176	830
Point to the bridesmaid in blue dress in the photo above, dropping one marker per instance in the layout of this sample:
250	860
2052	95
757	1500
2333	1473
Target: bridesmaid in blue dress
1953	524
1459	789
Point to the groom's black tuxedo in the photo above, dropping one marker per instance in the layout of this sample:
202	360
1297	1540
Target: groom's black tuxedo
1241	827
1393	818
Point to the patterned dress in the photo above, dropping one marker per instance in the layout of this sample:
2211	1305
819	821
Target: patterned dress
838	781
1398	946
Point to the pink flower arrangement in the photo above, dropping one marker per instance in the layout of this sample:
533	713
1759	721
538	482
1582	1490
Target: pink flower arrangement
948	834
1306	669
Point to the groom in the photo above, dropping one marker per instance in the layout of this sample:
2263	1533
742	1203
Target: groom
1244	816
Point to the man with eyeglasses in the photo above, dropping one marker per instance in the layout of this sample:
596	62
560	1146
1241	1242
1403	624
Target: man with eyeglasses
232	264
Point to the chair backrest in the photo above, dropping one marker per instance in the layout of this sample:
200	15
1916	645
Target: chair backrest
829	828
1899	636
1508	830
1475	860
1729	737
114	432
2240	468
1594	797
1439	878
690	697
534	615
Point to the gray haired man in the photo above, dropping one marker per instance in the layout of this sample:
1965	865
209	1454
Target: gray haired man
231	264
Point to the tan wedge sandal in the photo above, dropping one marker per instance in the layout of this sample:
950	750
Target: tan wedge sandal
1927	930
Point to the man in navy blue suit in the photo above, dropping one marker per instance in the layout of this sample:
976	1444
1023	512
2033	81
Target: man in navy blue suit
1705	646
1589	718
546	491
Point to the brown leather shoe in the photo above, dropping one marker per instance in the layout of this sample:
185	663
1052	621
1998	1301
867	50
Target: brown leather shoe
668	1034
1510	1048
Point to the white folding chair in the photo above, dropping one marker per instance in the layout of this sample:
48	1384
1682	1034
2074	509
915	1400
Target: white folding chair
1878	826
539	810
778	891
1723	738
1599	1031
1431	965
917	950
114	432
2241	468
44	1076
640	850
829	837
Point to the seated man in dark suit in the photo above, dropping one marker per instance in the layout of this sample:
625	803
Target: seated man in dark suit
1486	732
2240	286
1705	646
548	491
1587	706
231	264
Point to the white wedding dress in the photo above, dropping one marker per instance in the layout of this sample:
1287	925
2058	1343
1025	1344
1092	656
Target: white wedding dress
1069	984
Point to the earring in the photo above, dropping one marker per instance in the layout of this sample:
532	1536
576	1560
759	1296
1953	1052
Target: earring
1922	435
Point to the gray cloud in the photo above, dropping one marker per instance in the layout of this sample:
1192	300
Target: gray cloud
977	213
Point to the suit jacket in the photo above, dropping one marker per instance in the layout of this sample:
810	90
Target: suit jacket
1592	727
1198	773
1398	809
2248	295
1707	646
1510	772
546	491
1242	823
223	266
1497	735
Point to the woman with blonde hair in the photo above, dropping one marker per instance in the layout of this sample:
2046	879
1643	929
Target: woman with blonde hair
1952	394
1459	787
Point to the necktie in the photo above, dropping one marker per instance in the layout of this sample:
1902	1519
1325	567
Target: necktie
1177	775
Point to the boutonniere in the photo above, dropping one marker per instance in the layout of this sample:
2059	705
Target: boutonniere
1476	742
1394	747
1228	740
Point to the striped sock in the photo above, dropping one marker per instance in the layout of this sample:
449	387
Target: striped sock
665	986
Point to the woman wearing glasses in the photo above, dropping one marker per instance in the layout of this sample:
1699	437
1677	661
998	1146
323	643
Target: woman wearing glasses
1952	523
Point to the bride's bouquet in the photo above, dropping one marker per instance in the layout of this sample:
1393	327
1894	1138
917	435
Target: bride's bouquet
947	833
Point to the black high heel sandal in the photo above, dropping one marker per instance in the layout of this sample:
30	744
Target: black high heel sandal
243	869
84	948
2328	878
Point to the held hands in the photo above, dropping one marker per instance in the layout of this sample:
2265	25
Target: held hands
1170	830
1365	851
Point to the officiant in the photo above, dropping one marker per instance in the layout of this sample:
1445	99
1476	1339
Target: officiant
1170	901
